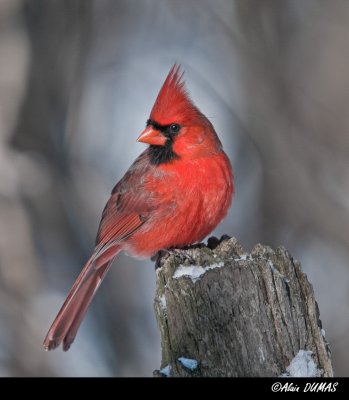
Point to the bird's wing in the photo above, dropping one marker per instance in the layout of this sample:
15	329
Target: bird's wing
128	207
114	228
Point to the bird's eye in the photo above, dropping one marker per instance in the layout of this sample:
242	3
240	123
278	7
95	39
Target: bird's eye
174	128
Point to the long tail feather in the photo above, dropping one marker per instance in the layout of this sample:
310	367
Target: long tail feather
71	314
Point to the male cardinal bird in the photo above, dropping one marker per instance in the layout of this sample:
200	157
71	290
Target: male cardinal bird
173	195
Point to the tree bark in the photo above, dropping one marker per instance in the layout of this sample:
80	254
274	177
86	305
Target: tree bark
222	312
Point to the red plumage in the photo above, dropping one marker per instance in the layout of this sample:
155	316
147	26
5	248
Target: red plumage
174	194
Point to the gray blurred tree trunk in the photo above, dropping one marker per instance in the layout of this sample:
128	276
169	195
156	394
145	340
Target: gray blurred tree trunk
62	46
226	313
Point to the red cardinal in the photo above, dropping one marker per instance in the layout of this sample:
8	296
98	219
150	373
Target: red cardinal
173	195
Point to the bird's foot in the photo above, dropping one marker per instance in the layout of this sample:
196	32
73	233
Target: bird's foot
213	241
158	257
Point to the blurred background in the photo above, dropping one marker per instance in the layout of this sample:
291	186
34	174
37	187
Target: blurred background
77	81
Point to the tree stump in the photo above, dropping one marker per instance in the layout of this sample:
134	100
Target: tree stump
222	312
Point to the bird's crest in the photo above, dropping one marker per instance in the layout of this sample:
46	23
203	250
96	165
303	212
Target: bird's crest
173	102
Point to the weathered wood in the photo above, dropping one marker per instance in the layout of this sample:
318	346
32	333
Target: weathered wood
247	315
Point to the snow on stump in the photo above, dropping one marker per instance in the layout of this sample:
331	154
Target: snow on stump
222	312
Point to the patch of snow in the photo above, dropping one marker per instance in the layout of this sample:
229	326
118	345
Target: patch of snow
303	366
194	271
166	370
163	303
323	332
243	257
188	363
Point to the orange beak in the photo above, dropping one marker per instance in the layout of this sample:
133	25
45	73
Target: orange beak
152	136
